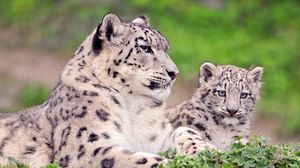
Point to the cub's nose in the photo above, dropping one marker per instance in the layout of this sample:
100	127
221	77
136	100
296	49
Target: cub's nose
232	111
172	74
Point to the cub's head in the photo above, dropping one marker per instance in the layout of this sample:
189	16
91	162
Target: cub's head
133	57
229	91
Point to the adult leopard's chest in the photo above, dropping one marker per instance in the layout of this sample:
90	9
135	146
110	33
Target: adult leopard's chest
150	129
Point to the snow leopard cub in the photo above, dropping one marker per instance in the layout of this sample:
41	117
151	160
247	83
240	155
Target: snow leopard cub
221	107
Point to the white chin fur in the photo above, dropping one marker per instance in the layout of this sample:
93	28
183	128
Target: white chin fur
163	93
159	93
140	88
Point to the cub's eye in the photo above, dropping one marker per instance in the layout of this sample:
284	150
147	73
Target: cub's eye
146	49
244	95
221	93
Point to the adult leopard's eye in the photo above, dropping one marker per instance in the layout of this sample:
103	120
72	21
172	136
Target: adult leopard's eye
221	93
146	49
244	95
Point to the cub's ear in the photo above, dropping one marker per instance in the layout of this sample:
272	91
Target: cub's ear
141	20
207	72
255	74
110	26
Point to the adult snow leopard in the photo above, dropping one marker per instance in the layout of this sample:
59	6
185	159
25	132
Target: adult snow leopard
103	111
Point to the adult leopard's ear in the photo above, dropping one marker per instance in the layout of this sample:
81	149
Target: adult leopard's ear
255	74
207	72
141	20
110	26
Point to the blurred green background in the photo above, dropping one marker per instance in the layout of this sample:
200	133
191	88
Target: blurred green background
240	32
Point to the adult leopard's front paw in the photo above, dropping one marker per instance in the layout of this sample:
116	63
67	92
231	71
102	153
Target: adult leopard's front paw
146	160
159	161
192	148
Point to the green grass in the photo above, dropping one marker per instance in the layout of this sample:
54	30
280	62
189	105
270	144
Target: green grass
16	164
244	33
255	154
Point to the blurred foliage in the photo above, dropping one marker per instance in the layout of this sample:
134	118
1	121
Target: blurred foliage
244	33
31	95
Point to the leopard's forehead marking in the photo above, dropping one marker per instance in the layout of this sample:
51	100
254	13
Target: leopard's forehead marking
233	76
151	36
233	73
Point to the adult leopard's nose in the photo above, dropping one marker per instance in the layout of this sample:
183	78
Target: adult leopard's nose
172	74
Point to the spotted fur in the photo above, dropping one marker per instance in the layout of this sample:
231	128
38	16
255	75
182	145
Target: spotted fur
106	110
222	106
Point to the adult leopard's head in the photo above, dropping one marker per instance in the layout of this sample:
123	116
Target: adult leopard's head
229	91
129	57
133	56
